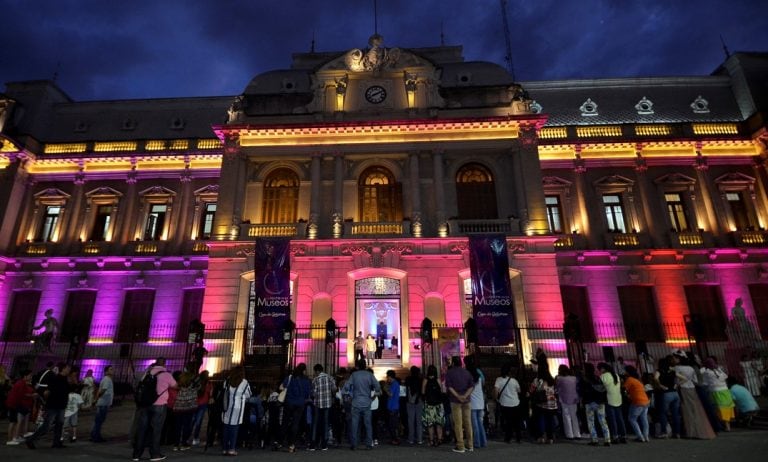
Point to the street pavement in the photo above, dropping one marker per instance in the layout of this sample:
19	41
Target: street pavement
740	445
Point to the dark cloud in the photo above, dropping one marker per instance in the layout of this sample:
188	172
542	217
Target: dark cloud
150	48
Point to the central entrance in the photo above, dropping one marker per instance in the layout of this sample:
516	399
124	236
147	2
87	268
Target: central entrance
377	313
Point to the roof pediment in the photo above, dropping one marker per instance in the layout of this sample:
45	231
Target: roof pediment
375	58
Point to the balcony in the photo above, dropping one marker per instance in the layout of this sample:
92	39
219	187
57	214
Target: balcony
146	248
371	229
196	248
38	249
750	238
297	230
94	248
626	240
690	239
509	226
571	242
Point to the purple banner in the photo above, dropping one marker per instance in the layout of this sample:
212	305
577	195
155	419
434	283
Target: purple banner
272	268
492	304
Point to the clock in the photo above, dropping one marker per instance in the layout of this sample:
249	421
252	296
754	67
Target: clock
375	94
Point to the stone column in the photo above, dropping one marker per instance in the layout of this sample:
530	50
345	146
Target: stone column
583	194
128	221
13	189
69	236
228	210
314	198
416	224
182	228
437	167
534	216
716	221
649	204
338	195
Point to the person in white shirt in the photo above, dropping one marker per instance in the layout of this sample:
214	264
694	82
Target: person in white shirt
507	392
71	412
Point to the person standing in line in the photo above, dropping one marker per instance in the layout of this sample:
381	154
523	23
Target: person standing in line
298	389
715	379
393	407
507	392
459	385
434	412
359	347
56	398
74	402
204	394
414	406
323	391
567	388
668	399
613	406
151	420
593	395
544	400
362	386
477	403
370	350
236	394
20	400
104	397
639	403
695	420
89	386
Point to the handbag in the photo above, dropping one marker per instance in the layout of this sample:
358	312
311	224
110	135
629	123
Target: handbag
284	391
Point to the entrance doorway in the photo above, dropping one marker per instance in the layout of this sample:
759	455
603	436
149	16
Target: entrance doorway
377	313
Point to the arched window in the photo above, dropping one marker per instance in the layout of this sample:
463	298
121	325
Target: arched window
281	197
475	193
380	196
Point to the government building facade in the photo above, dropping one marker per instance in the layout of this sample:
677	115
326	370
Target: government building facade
634	211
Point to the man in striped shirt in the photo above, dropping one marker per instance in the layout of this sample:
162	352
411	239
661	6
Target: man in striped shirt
323	391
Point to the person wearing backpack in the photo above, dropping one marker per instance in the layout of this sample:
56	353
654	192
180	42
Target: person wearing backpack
155	384
594	397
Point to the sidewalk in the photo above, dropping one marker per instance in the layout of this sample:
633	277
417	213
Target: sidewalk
739	445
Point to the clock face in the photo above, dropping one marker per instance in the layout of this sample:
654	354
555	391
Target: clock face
375	94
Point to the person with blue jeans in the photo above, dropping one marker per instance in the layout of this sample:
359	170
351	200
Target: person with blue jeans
593	395
613	406
639	403
203	397
236	394
477	403
298	390
668	400
153	417
362	386
104	397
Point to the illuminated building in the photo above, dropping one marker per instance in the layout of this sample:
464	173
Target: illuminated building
629	202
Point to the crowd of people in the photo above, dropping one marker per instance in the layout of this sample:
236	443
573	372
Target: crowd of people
452	405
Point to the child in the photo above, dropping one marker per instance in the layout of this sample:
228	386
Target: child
20	401
71	412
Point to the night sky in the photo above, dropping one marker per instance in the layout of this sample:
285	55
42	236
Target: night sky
166	48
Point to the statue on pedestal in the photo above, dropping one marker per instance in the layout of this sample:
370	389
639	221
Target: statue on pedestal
740	330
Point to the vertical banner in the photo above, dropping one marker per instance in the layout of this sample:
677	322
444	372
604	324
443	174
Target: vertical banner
272	283
492	305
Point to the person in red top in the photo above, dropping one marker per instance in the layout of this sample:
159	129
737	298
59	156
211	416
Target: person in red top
639	402
203	398
19	403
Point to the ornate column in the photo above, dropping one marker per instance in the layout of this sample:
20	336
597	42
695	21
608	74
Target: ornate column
127	224
711	209
534	216
13	189
416	225
228	210
583	193
650	209
182	228
338	195
440	216
70	236
314	198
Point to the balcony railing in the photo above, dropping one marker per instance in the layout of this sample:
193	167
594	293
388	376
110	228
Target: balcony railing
571	242
273	230
690	239
94	248
37	249
510	226
360	229
625	240
146	248
750	238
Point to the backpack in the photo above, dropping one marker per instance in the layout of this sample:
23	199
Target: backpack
146	391
434	394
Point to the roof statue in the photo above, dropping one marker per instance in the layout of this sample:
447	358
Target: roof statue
373	58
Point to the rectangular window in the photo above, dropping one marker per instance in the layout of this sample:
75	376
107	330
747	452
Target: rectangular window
759	295
614	213
576	302
676	212
554	214
206	220
50	220
191	309
738	211
638	310
706	312
155	221
21	316
136	316
78	315
101	223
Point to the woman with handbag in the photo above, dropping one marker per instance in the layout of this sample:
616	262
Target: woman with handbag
184	407
543	397
567	389
297	388
507	392
236	394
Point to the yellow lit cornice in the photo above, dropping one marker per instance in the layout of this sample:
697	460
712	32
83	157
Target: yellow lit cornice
372	133
64	148
717	148
48	166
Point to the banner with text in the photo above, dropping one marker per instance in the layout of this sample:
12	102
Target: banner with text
492	304
272	268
